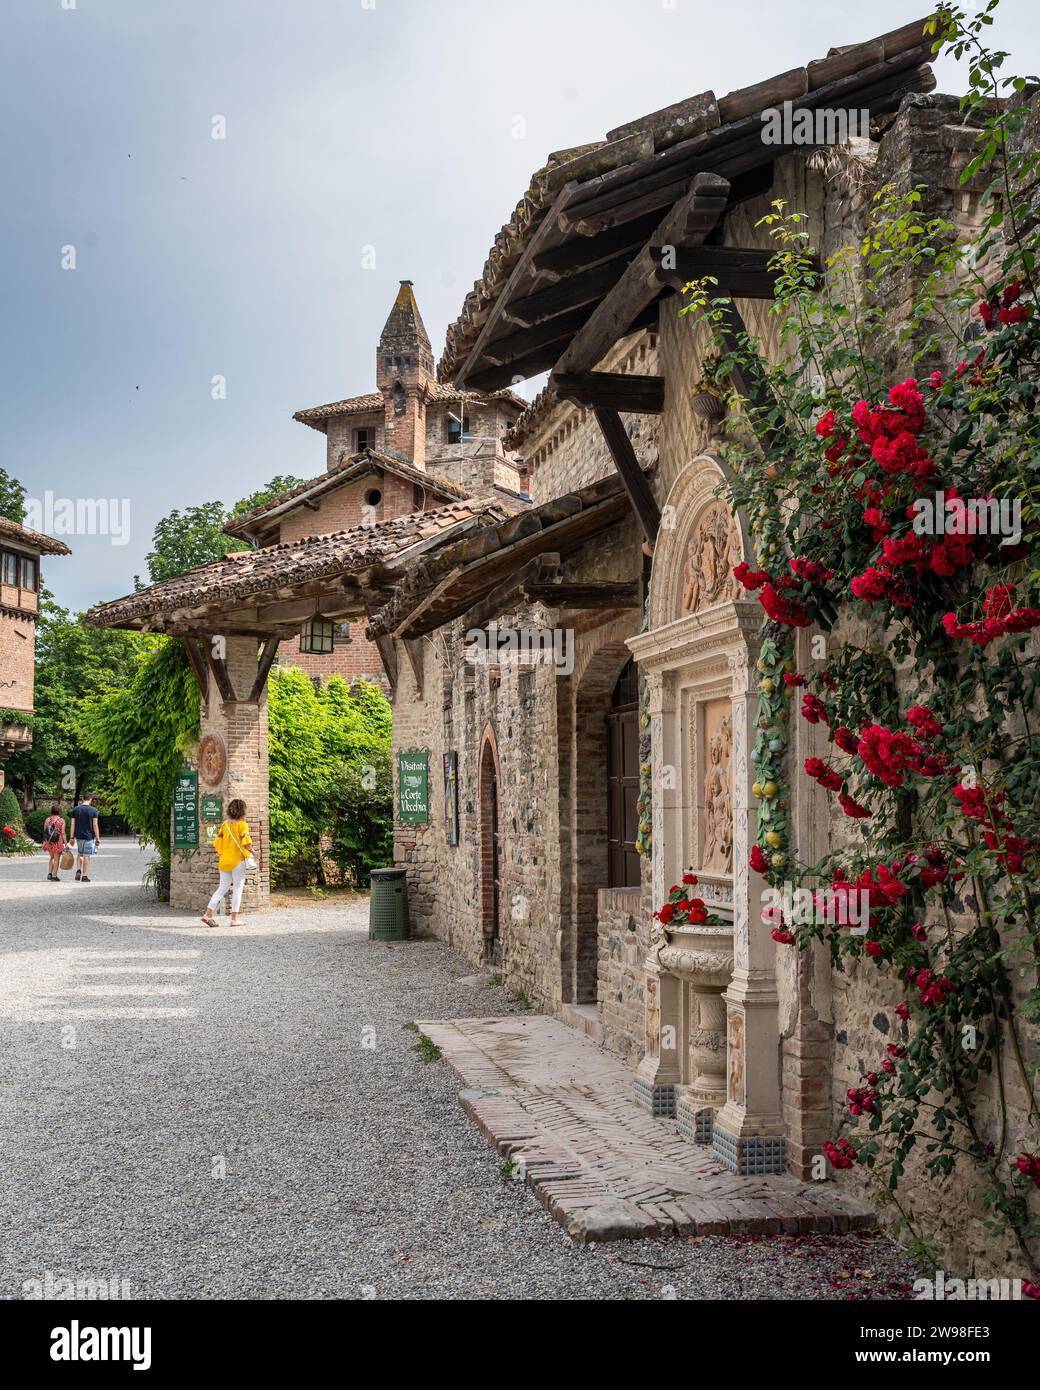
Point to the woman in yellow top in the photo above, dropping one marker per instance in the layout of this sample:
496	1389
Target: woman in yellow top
232	843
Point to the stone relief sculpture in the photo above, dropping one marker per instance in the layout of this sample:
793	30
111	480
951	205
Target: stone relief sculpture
718	801
712	553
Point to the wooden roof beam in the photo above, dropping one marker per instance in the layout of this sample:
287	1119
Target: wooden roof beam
689	221
745	274
638	395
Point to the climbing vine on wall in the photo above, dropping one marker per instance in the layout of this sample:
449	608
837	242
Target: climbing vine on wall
878	504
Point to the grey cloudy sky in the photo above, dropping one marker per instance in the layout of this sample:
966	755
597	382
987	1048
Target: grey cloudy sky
350	123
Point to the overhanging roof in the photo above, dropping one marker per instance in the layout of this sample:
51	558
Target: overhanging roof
271	591
589	211
456	572
18	534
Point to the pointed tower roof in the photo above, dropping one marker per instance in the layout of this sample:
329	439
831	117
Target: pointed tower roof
405	321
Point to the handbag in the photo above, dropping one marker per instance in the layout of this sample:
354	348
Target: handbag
248	859
67	860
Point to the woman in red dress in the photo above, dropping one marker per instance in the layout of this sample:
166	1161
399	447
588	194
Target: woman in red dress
54	841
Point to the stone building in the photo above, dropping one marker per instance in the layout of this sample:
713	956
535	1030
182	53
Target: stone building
546	651
20	552
412	443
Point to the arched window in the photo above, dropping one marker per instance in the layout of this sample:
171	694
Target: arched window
623	866
398	398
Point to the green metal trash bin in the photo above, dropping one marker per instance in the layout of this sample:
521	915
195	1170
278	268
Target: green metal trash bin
388	906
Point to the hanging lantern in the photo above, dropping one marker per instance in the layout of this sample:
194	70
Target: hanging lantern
317	636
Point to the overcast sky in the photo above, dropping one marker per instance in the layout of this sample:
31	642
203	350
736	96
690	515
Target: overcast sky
387	124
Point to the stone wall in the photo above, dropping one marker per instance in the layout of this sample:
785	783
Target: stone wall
623	941
547	731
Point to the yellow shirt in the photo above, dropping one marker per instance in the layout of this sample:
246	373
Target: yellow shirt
230	854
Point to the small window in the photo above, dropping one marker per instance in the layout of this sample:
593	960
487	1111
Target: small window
28	574
10	568
341	637
458	433
373	497
364	439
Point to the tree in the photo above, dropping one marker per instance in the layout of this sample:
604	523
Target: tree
329	773
12	497
184	539
141	732
72	663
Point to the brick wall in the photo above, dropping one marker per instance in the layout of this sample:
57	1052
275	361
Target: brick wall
565	449
17	654
243	729
345	507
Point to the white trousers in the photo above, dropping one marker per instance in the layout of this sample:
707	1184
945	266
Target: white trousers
236	881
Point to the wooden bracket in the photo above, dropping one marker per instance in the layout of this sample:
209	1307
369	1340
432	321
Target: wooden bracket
268	652
413	648
388	654
198	666
219	671
638	488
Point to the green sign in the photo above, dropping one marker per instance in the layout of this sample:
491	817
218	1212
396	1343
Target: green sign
413	783
186	810
212	808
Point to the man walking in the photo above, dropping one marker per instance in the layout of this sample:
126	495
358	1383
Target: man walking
86	832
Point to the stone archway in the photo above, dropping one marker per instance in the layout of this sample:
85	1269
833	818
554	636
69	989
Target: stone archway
586	761
489	810
707	990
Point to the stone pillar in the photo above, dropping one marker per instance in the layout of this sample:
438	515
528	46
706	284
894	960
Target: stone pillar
238	729
748	1134
660	1072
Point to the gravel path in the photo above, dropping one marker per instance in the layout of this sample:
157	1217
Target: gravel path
243	1115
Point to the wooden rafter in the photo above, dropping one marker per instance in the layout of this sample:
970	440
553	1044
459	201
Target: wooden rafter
688	222
388	655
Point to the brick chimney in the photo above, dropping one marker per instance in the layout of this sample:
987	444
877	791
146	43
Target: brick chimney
404	376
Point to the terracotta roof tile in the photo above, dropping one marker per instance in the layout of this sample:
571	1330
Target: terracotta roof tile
36	540
243	575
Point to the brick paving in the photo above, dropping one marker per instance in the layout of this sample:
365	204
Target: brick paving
561	1109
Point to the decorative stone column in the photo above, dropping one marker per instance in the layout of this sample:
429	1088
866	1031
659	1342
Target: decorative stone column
660	1071
748	1134
231	761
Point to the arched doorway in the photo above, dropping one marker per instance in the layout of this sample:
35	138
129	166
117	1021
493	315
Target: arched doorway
586	767
490	848
623	867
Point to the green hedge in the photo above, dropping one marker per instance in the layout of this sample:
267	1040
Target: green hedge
10	811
